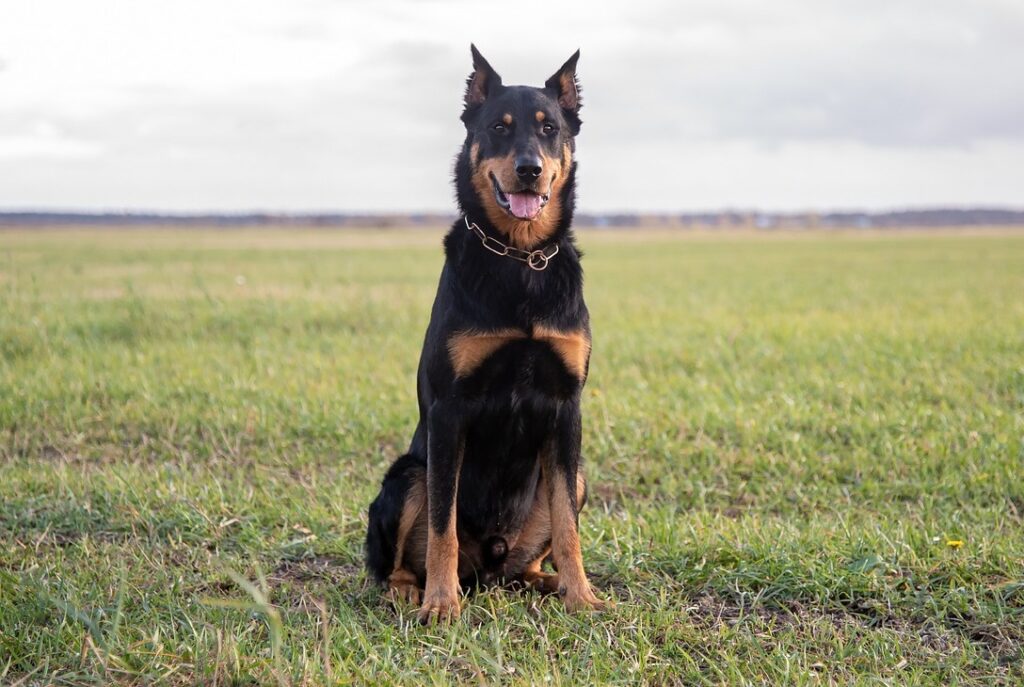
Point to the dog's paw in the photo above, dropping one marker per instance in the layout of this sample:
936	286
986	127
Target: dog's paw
406	593
440	607
583	601
402	586
543	582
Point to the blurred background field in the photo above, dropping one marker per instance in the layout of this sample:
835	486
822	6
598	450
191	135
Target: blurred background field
804	448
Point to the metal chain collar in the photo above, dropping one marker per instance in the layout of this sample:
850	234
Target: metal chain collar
537	259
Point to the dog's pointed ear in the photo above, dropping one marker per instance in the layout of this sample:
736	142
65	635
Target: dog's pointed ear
482	81
564	85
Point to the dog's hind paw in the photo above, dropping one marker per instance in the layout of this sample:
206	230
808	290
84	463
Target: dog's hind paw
543	582
403	586
409	593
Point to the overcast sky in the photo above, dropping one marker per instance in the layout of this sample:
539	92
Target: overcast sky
316	105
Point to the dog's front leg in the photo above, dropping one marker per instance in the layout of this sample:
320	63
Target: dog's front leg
561	464
445	443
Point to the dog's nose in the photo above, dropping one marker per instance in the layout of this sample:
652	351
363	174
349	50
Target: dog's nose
528	168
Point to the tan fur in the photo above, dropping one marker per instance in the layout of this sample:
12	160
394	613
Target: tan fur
534	542
523	234
540	116
467	350
572	347
573	586
415	500
507	119
410	543
536	578
441	597
403	586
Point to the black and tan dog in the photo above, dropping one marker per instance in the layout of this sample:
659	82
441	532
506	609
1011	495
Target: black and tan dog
492	483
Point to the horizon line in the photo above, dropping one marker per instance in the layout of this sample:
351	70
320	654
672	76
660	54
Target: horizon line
721	210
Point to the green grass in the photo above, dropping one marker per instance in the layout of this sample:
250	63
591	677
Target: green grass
782	434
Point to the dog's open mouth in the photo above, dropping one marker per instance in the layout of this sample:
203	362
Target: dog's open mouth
521	204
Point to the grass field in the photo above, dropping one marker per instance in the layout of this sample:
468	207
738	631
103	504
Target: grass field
805	454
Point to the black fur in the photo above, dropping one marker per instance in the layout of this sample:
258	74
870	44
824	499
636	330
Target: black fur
523	397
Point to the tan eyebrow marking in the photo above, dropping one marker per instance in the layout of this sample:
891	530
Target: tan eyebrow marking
540	116
507	119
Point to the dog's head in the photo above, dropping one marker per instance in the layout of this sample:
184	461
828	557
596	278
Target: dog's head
519	148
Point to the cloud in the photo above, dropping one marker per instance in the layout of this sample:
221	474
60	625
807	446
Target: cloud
27	147
880	76
325	105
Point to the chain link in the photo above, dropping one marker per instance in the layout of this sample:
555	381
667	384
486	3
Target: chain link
536	260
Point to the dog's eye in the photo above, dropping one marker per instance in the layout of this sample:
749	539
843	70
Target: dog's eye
548	128
500	128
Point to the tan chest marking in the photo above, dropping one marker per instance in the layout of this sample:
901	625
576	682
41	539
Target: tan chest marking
468	350
573	347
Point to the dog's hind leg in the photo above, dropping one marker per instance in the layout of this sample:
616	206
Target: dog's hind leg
411	542
534	544
396	539
535	577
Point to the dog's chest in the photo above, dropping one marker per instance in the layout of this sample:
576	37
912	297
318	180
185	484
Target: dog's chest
506	352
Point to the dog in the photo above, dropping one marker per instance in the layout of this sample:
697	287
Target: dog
492	483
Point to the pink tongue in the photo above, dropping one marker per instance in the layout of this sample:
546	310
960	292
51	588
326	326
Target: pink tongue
524	205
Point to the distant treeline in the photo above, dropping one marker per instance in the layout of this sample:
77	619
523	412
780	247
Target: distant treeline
935	217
